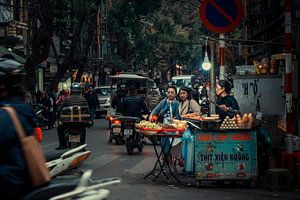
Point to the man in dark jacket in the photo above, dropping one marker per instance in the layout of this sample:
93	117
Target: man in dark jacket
75	99
14	178
92	100
133	106
118	98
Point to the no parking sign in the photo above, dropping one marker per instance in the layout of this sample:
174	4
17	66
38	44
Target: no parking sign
221	16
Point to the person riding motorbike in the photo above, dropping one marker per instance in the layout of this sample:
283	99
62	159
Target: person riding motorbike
14	177
75	99
133	105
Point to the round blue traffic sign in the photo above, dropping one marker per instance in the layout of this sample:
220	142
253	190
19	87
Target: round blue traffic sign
221	15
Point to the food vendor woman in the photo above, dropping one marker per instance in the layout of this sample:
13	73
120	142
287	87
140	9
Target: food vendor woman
228	106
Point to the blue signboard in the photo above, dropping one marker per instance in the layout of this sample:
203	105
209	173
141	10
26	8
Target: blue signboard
225	155
221	15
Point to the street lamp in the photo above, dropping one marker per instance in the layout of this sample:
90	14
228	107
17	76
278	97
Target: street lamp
206	65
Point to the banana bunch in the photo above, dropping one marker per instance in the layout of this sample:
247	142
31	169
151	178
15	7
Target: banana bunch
147	124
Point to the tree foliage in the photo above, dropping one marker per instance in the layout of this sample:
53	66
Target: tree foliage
158	31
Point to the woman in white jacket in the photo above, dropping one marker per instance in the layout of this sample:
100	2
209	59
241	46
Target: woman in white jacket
186	103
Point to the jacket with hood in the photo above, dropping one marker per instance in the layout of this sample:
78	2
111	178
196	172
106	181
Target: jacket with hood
152	99
13	171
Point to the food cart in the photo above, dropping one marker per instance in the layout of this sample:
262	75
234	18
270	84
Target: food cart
224	151
225	155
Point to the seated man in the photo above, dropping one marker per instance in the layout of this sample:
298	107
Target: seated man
75	99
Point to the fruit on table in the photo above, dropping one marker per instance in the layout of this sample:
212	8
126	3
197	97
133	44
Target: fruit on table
147	124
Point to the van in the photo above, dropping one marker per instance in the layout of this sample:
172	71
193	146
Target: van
181	81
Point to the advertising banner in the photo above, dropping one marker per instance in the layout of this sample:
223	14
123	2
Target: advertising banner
225	155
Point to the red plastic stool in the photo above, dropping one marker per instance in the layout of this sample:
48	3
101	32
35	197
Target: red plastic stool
296	159
283	160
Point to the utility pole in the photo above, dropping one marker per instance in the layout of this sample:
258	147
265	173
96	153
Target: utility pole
212	108
222	56
289	81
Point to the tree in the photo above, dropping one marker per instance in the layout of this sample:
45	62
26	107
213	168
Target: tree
83	23
41	29
70	20
162	35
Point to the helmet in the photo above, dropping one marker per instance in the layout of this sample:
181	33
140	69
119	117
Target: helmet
76	88
11	72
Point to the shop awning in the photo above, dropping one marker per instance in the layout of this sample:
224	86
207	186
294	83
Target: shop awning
5	51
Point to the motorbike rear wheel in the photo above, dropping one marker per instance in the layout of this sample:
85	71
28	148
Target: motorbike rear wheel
129	146
140	146
118	140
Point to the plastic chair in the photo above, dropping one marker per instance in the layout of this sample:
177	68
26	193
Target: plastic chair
279	179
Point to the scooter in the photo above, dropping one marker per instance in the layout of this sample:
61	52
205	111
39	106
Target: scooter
68	160
133	139
40	111
116	130
74	132
204	104
84	189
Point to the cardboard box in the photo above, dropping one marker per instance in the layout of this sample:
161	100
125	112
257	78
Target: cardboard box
75	114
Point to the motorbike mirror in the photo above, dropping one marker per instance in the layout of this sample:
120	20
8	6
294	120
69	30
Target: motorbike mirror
110	118
85	178
72	151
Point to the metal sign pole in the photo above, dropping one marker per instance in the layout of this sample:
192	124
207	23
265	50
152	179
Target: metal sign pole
288	81
222	56
212	109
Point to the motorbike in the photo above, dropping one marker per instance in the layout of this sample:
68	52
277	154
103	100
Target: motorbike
133	139
58	164
73	132
116	130
41	112
74	120
84	189
204	104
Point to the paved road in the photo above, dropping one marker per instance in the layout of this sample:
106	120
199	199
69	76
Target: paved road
109	160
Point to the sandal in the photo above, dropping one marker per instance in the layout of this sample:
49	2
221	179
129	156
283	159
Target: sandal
181	162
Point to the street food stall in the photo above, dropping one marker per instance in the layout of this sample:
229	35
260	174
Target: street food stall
224	150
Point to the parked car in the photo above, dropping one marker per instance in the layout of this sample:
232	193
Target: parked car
104	97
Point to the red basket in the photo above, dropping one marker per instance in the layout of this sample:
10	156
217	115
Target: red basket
149	131
181	130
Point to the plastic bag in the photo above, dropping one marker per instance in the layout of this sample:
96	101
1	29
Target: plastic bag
38	134
188	150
